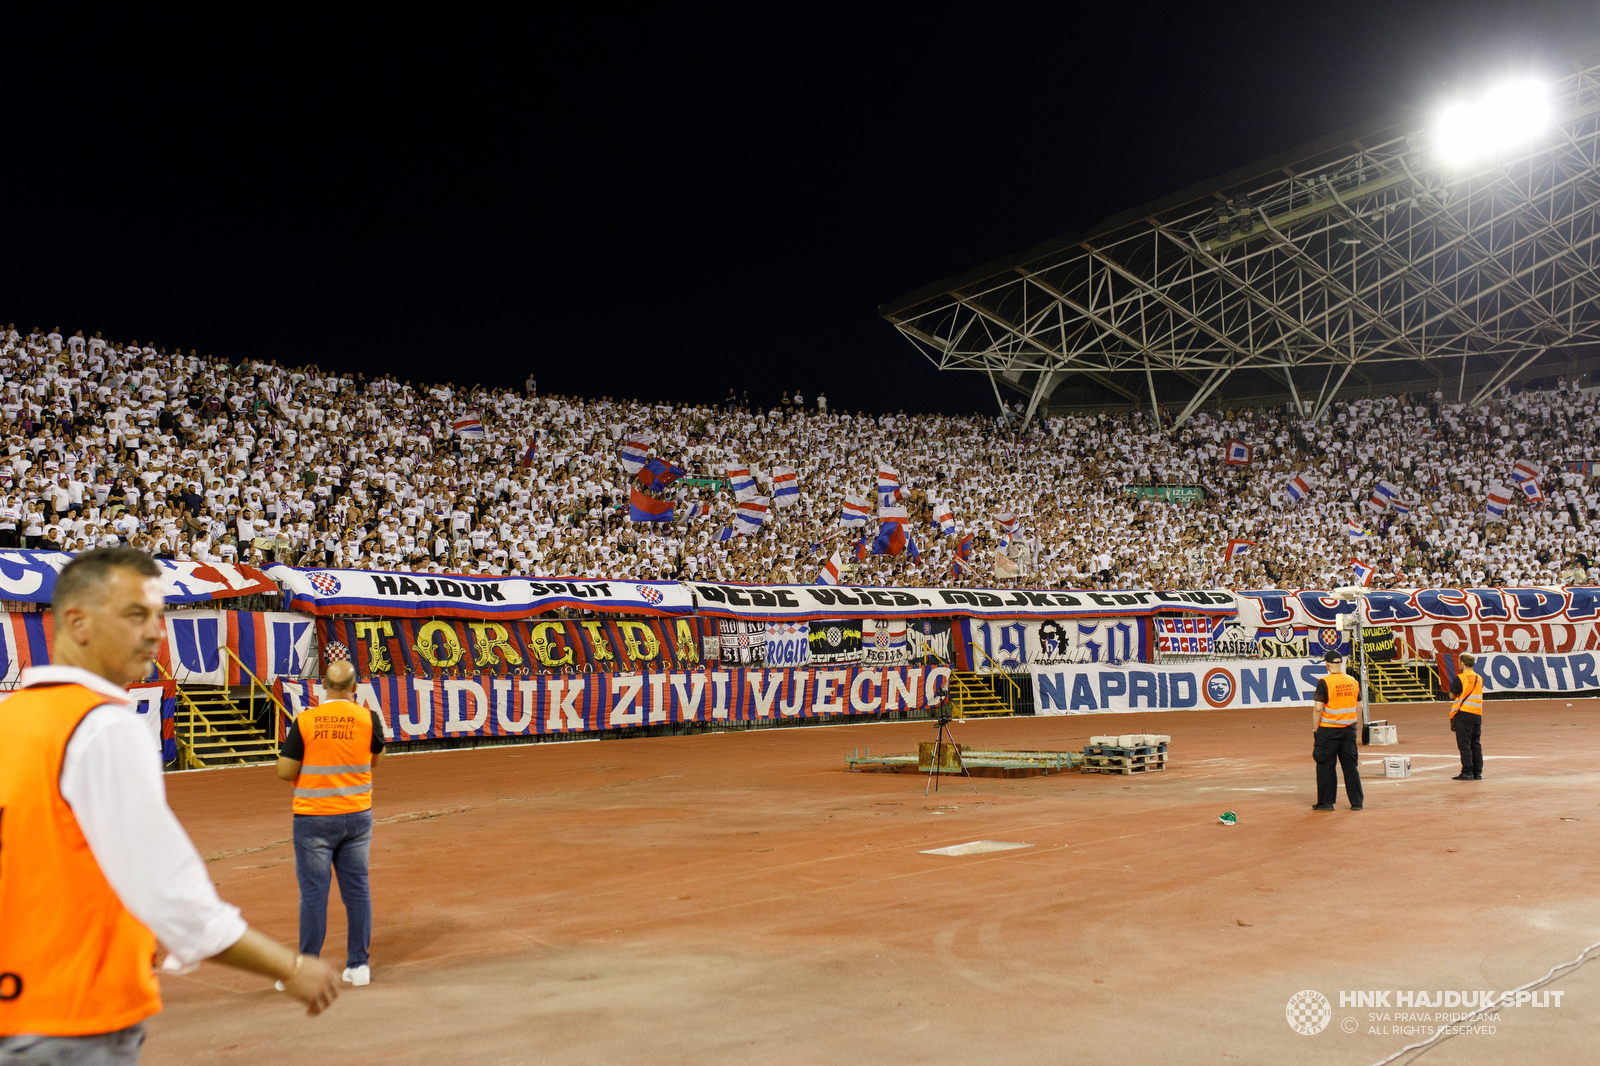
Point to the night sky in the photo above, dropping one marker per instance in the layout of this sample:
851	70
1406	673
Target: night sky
658	206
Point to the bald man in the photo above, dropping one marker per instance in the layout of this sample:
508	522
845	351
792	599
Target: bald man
329	755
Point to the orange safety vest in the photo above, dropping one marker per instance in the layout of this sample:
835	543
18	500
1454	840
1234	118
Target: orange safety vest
336	773
73	961
1471	698
1340	710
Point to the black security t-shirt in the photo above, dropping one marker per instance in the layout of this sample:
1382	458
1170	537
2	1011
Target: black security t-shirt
1321	695
294	745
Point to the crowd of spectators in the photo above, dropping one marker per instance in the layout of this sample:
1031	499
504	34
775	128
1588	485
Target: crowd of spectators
193	457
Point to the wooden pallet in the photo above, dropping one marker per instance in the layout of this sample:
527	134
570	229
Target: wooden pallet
1124	769
1103	759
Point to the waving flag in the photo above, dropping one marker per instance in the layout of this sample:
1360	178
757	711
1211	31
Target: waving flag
468	426
1383	494
1499	500
1355	530
1532	489
694	510
1298	488
943	520
888	485
1009	522
1236	548
1363	571
750	514
893	515
740	481
1526	471
1238	453
963	552
829	575
642	508
657	474
635	451
1399	506
894	538
854	511
527	456
785	486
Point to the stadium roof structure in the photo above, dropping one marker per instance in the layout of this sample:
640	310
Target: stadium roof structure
1359	262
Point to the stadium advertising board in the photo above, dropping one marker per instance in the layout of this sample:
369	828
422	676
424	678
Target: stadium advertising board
1095	688
427	708
818	602
329	592
411	646
30	577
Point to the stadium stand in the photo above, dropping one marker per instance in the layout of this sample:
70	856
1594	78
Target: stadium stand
192	457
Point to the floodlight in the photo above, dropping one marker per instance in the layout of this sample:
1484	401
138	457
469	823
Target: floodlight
1505	116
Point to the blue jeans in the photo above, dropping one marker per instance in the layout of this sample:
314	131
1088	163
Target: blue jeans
339	840
120	1048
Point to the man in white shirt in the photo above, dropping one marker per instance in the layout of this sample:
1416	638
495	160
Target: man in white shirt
98	870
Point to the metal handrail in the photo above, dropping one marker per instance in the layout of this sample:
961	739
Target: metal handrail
1015	688
279	711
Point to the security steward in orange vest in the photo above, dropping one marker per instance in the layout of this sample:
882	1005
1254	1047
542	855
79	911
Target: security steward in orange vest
329	755
1334	716
1466	720
94	868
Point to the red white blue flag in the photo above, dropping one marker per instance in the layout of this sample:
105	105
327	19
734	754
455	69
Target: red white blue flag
635	451
750	515
741	482
1363	571
943	519
1499	500
1239	453
896	515
854	511
1235	549
468	425
785	486
1008	522
829	575
888	485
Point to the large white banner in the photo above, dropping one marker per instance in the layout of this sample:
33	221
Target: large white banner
324	592
1095	688
1402	607
796	603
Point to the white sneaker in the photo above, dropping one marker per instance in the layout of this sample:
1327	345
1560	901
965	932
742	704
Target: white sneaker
358	976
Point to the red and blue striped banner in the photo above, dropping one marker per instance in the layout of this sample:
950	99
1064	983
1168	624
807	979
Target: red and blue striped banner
25	639
429	708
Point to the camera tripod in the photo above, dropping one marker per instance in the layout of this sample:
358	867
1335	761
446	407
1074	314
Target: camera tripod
941	737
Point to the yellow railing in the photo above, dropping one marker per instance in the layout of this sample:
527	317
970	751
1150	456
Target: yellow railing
279	711
196	717
995	671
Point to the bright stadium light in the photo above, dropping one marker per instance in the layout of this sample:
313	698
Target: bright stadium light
1505	116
